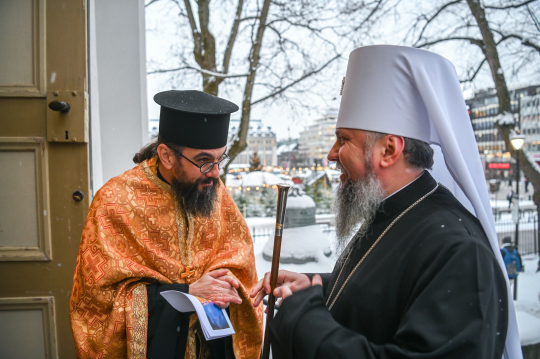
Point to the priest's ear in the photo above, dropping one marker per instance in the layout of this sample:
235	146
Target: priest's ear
166	156
392	150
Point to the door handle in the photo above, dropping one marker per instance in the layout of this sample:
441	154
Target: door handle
60	106
77	196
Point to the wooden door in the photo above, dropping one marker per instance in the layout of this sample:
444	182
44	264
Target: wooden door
44	160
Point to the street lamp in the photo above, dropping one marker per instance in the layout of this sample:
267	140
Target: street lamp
517	142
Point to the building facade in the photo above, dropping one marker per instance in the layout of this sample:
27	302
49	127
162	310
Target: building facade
483	111
260	139
530	123
288	155
317	139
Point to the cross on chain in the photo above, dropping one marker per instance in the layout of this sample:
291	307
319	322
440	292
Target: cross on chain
188	273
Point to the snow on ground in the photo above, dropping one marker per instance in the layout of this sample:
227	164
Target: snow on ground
529	328
504	203
528	302
302	244
325	265
260	222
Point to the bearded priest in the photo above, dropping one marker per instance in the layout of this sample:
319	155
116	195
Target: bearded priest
167	224
422	277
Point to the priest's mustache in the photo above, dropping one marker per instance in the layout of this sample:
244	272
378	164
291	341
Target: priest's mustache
340	167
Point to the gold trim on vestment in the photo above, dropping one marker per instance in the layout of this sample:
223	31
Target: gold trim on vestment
150	170
140	322
192	345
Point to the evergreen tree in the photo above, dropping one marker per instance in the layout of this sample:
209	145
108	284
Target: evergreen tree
242	202
254	163
269	201
321	195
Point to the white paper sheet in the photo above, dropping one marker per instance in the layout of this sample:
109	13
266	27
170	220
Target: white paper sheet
214	321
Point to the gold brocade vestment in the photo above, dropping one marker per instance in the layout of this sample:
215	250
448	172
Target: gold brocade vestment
136	234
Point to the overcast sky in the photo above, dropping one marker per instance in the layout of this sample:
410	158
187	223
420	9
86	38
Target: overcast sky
162	39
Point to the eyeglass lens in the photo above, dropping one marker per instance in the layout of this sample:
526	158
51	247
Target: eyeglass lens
207	167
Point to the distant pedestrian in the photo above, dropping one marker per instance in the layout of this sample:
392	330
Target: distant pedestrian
527	184
511	257
510	182
509	197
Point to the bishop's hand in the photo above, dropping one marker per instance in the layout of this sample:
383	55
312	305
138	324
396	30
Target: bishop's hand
287	283
218	287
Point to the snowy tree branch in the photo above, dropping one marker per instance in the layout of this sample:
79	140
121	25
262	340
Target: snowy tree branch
303	77
472	40
511	6
197	50
202	71
471	78
432	18
524	41
232	37
150	3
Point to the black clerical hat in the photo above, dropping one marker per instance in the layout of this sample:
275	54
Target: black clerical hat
194	119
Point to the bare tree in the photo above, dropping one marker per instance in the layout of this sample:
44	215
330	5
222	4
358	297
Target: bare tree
492	28
268	50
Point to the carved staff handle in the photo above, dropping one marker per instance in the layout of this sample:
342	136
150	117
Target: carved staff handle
283	190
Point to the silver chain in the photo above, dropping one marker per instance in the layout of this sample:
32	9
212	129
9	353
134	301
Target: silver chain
369	251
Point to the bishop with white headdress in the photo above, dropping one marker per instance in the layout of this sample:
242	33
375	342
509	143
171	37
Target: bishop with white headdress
423	276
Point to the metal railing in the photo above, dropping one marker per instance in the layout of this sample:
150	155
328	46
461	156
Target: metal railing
528	231
262	234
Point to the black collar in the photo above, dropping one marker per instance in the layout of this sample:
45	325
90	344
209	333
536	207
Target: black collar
400	201
161	177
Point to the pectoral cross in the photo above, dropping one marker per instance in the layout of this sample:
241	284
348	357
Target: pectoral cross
188	273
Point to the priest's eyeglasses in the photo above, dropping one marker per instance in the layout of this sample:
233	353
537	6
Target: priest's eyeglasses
207	166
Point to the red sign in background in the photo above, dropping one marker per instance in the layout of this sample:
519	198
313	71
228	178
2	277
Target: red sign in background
499	165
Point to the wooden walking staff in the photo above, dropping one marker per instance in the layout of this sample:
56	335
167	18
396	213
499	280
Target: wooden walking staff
283	190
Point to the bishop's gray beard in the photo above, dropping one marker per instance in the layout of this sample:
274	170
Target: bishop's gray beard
197	203
356	203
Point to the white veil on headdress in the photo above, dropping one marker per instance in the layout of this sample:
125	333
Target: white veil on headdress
415	93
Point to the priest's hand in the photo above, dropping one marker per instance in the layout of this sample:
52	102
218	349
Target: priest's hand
218	287
287	284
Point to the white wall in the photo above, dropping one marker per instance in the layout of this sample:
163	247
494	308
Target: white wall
117	66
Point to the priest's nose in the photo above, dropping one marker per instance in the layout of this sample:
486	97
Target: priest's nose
214	173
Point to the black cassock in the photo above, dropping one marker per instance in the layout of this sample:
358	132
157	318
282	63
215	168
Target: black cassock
168	328
431	288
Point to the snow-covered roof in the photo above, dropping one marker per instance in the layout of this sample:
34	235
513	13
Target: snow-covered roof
232	180
258	178
286	148
256	129
316	177
238	165
302	201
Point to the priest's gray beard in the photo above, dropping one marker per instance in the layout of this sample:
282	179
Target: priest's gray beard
197	203
356	203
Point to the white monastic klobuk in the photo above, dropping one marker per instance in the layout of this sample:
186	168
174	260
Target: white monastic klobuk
416	93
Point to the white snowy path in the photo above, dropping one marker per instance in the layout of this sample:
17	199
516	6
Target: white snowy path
528	302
